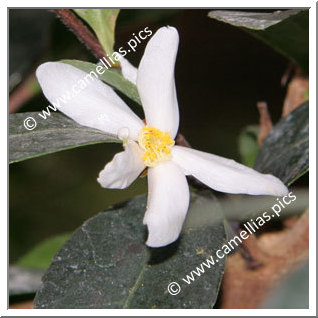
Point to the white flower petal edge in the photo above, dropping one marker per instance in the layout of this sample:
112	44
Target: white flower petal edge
128	70
226	175
168	202
123	170
155	81
86	99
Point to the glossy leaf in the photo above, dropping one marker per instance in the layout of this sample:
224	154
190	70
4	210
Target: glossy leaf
106	264
286	31
55	133
103	22
41	256
285	151
111	77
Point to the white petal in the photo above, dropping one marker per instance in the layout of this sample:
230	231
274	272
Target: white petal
128	70
226	175
86	99
168	202
125	167
155	81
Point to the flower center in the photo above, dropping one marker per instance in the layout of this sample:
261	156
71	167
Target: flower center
156	144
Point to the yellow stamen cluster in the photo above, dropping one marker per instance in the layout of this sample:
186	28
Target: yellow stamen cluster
156	144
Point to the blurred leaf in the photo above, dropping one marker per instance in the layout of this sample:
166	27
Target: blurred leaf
41	256
53	134
106	264
103	22
248	145
244	207
293	293
111	77
285	151
286	31
24	280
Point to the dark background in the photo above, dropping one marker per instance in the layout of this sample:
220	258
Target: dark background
221	72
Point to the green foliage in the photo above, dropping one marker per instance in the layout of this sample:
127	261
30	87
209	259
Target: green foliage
248	145
103	22
106	264
40	256
53	134
285	151
286	31
111	77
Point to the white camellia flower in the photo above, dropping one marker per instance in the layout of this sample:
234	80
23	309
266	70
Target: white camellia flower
151	145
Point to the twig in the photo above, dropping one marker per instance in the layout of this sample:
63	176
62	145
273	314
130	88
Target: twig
247	250
297	89
247	253
265	122
82	33
288	74
181	141
25	91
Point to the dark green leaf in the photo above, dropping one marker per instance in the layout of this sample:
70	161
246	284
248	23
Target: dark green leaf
103	22
286	31
285	152
41	256
111	77
248	145
55	133
106	264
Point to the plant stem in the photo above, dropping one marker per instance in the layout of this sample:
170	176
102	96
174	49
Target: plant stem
82	32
